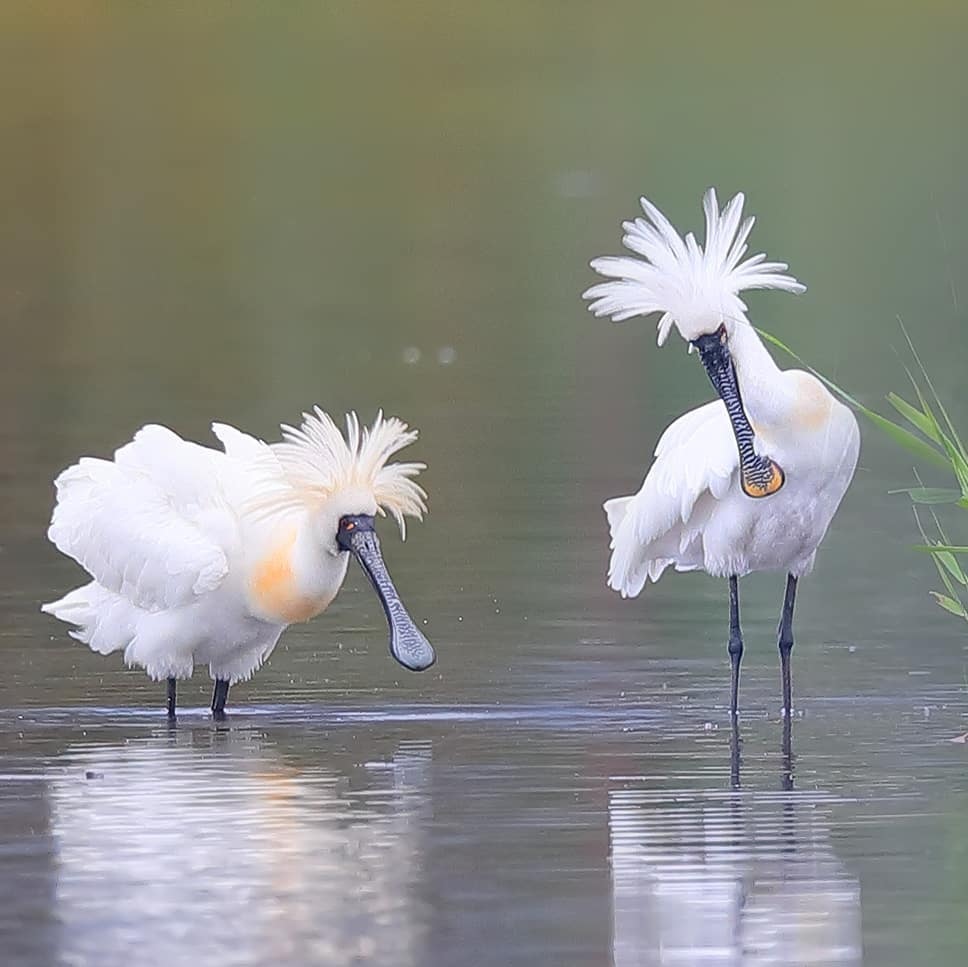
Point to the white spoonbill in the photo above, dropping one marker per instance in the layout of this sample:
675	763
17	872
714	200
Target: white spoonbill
748	482
204	556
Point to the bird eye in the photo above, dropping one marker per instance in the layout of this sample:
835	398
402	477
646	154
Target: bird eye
722	333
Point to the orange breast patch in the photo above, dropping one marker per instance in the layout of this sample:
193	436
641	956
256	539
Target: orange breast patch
273	587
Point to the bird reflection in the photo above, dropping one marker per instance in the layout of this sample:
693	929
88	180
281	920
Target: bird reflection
222	852
786	775
737	877
786	753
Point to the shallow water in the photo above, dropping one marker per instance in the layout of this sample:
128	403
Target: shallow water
606	830
363	207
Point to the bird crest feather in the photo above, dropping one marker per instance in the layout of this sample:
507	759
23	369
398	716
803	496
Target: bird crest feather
315	462
694	287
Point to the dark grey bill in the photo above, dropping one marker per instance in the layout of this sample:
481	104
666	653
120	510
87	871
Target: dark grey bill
759	476
407	643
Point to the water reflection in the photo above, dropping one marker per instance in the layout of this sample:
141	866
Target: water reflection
786	755
210	846
733	877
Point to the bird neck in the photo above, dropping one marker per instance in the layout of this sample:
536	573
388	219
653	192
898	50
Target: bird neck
294	579
760	380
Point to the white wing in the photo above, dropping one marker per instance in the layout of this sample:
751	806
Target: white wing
144	526
240	445
695	463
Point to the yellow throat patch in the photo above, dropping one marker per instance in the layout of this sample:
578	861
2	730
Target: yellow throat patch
763	485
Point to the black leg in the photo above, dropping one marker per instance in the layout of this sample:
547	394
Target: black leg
785	642
172	688
219	694
735	646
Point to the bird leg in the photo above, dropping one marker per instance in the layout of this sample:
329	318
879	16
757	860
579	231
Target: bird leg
219	694
172	688
735	646
785	642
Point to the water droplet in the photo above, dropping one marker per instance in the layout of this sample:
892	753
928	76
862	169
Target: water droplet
411	355
446	355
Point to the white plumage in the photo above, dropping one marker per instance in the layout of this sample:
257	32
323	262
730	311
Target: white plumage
748	482
205	556
695	460
694	287
691	512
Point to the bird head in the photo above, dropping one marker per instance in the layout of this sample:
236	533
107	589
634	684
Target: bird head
342	483
694	287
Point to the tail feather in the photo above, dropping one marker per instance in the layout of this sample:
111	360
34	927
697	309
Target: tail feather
648	535
107	622
631	563
616	510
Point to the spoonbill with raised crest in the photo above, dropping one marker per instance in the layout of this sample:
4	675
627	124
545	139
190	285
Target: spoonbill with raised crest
205	556
748	482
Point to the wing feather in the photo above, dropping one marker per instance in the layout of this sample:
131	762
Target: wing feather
136	536
695	463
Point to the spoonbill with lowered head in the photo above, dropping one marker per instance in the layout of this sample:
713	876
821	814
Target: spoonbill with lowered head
748	482
204	556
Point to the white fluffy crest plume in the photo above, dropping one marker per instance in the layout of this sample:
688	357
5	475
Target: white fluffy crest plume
694	287
317	462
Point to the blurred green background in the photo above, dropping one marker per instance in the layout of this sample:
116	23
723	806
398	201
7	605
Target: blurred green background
241	208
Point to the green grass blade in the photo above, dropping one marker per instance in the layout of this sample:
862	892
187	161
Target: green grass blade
924	421
927	379
949	604
922	400
959	464
951	565
930	495
901	435
946	564
946	580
